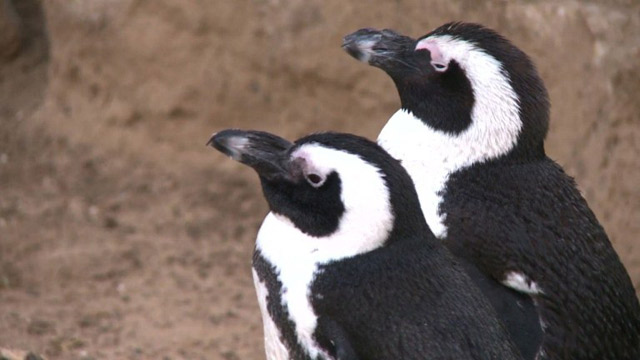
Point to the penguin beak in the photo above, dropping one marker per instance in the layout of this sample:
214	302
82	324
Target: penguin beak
266	153
380	48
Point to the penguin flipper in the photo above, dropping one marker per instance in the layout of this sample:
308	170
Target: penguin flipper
332	333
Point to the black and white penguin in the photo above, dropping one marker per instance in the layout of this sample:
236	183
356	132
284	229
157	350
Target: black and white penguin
345	266
470	132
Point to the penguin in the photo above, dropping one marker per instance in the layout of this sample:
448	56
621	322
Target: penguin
345	265
470	131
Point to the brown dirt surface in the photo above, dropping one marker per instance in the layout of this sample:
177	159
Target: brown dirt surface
123	237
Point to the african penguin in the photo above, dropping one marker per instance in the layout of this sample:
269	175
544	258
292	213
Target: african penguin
345	266
470	132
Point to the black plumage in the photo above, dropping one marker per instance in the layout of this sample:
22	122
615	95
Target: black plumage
407	299
517	212
529	217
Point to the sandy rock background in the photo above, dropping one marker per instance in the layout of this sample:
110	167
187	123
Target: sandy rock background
123	237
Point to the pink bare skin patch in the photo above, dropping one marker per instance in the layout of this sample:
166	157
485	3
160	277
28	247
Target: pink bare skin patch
437	60
303	164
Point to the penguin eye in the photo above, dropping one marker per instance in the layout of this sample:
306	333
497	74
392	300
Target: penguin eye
440	67
314	180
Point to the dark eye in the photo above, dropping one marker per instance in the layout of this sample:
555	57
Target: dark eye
314	179
439	66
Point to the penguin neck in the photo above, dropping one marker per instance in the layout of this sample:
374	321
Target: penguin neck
297	256
431	155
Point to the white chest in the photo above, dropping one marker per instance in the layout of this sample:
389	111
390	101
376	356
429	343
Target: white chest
431	156
407	139
296	264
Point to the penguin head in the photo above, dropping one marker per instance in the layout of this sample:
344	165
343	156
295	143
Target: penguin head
465	81
330	185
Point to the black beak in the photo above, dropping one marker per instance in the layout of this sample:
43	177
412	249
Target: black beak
266	153
377	47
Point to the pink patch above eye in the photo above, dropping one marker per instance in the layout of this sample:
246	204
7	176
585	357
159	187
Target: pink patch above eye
434	49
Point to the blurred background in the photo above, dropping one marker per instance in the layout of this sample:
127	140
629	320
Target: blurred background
123	237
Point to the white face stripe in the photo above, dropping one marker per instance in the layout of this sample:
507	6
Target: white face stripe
296	256
368	217
430	155
496	113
